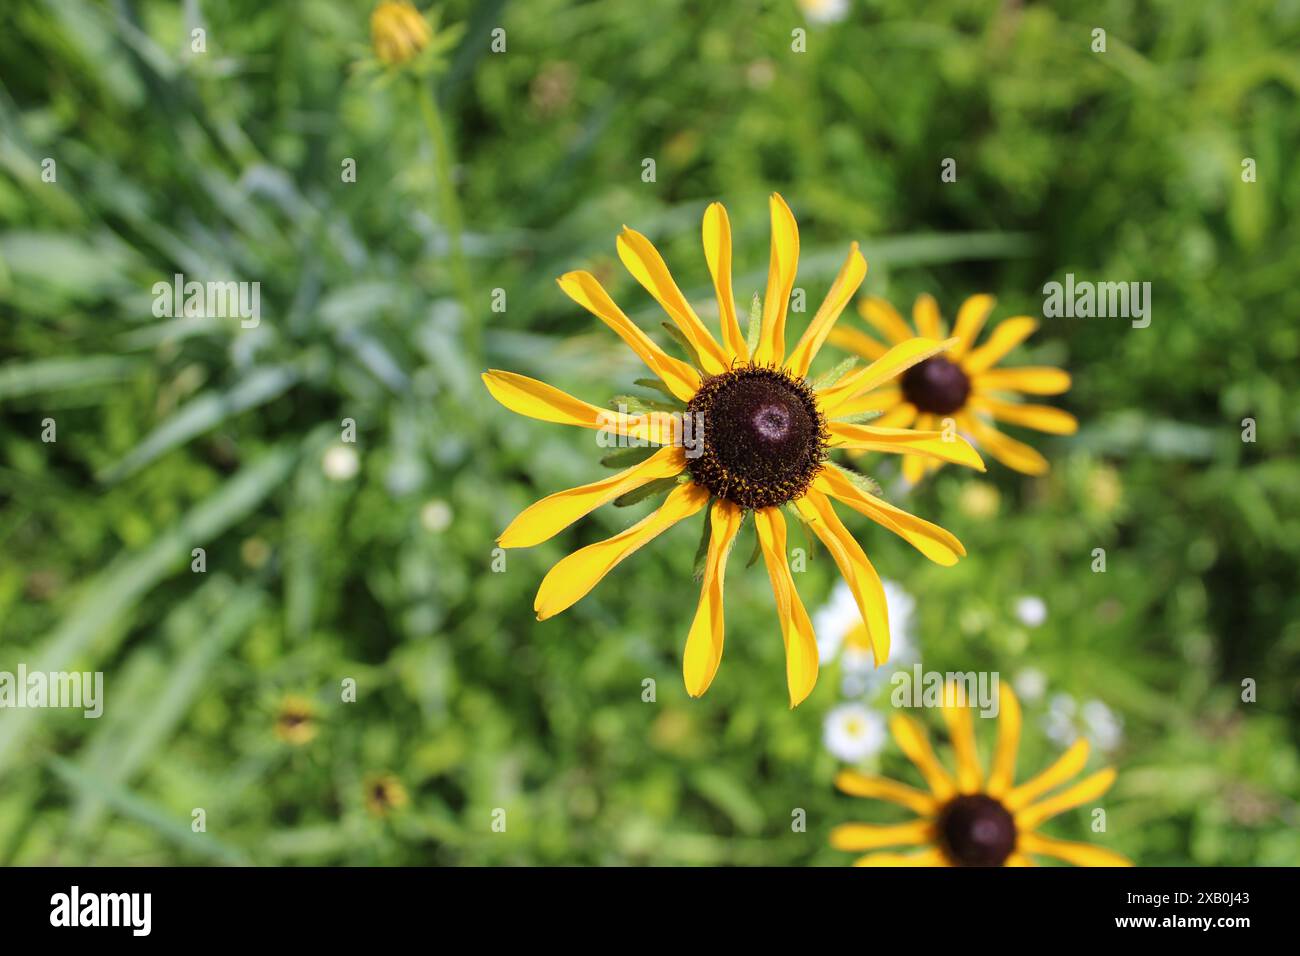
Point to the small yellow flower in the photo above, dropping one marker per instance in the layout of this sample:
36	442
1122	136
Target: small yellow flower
763	442
961	384
295	723
384	794
973	820
398	31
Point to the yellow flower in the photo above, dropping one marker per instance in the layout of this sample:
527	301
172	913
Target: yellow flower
973	820
962	384
384	794
749	433
295	723
398	32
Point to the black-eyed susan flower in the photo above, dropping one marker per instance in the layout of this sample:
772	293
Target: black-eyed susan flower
962	384
295	720
384	794
398	32
970	819
745	430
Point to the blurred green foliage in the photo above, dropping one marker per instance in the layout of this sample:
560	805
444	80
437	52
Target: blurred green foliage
180	433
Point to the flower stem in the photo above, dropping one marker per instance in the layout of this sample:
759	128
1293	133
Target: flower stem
451	219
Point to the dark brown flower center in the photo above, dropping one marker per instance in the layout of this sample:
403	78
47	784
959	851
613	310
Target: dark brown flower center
936	385
761	437
976	830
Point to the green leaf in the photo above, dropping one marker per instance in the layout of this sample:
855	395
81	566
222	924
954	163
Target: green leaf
755	323
831	376
863	482
660	387
48	375
680	338
859	418
635	405
657	487
702	552
627	457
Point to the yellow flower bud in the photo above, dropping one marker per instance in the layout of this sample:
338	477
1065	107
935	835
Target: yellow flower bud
398	32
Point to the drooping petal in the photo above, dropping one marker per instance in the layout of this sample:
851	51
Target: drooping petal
940	546
1003	772
961	732
585	289
1089	788
853	340
548	517
884	318
1080	854
1005	337
856	837
890	365
857	784
780	283
1028	379
915	743
1065	767
642	259
1044	418
574	576
972	315
931	857
535	399
704	642
856	570
925	313
846	284
905	441
717	252
801	656
1004	448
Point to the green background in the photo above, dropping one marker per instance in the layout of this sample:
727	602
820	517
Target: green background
175	434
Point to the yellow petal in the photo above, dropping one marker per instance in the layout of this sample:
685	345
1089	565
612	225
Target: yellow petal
905	441
1089	788
893	363
1003	772
780	283
1019	859
1080	854
1005	337
642	259
855	837
1029	379
913	469
574	576
884	318
961	731
1065	767
940	546
914	742
879	400
796	628
846	284
1004	448
851	340
972	315
586	290
1044	418
857	571
717	252
925	313
879	788
527	396
901	416
931	857
548	517
704	642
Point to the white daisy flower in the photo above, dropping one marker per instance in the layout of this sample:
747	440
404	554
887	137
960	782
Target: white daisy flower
1031	611
824	11
340	462
1030	684
1066	722
852	732
841	633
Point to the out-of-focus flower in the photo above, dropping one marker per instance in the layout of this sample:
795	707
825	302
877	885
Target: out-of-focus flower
552	89
398	32
970	819
340	462
255	552
1031	684
1066	722
852	732
960	386
760	74
840	632
295	721
1031	611
1105	489
824	11
384	794
436	515
979	500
